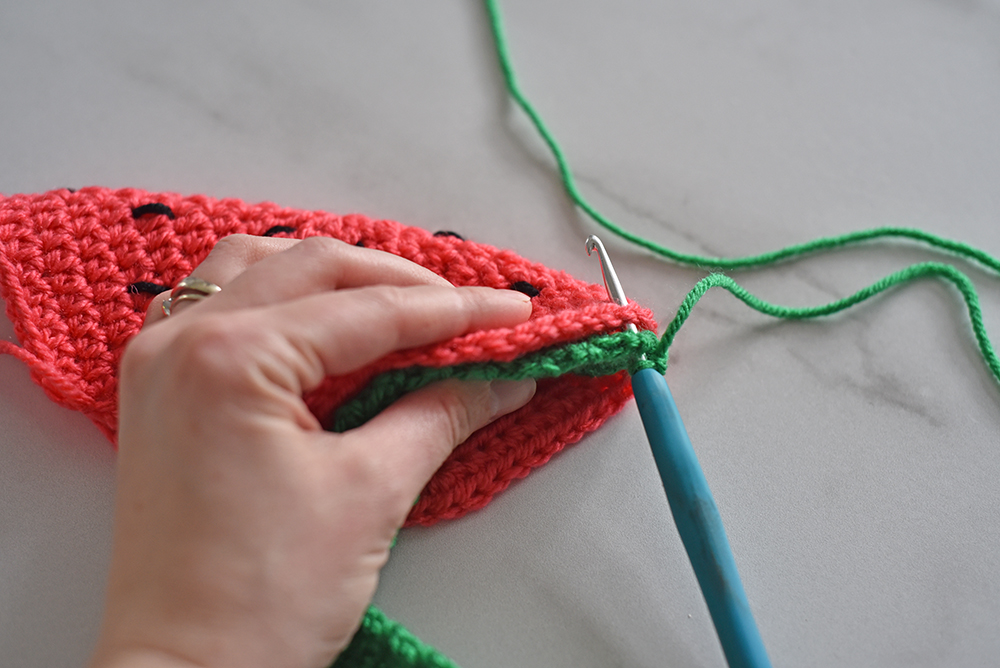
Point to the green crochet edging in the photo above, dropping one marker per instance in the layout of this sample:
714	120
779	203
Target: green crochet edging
383	643
600	355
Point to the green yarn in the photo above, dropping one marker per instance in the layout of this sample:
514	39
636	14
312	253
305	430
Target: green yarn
911	273
599	355
713	263
381	643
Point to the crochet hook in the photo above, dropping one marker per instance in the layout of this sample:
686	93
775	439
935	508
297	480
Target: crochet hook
695	513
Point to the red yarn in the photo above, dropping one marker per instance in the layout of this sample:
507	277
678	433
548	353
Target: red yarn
67	260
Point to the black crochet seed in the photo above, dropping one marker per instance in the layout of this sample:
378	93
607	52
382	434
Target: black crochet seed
278	229
147	288
153	207
71	190
360	244
525	287
446	233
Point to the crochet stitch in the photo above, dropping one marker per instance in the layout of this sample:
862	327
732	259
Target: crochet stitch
383	643
78	269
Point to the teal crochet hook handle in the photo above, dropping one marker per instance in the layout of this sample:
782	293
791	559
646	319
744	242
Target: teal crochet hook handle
698	523
695	513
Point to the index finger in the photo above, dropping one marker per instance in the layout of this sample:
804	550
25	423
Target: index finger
334	333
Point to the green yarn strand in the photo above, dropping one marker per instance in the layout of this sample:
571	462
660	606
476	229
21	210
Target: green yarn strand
713	263
914	272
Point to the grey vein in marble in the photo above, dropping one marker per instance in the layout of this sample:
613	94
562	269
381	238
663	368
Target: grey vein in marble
874	383
703	247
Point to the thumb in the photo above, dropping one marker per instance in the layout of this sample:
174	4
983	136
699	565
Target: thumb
410	439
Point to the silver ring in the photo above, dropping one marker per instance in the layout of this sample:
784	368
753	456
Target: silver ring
191	289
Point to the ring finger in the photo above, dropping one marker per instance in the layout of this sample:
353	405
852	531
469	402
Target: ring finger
230	257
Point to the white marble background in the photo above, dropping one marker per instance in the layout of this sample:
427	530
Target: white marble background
855	460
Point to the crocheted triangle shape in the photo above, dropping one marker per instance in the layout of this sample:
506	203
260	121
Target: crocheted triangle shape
78	270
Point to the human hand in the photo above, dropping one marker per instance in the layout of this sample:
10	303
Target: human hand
245	535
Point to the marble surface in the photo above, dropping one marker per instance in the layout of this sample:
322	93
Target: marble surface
855	460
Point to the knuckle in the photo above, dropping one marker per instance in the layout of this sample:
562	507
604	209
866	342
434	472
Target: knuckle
360	467
322	246
390	302
391	299
244	250
368	472
402	313
381	481
462	408
402	309
211	345
234	245
209	352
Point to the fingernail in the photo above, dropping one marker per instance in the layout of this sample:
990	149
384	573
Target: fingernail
509	395
514	295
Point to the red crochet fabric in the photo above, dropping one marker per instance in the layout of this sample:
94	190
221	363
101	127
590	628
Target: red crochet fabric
78	269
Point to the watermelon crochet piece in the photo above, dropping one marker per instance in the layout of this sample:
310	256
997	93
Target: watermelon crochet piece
79	268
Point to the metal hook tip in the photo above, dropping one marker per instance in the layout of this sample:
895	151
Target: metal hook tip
593	243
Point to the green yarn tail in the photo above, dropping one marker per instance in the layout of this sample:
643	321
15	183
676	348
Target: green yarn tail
914	272
382	643
713	263
911	273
